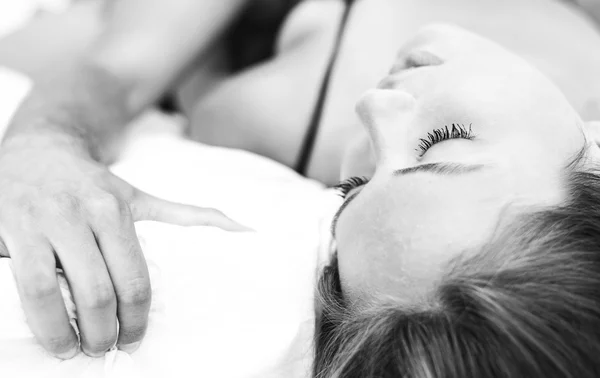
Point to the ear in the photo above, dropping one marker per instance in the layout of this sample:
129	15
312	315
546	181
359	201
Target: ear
592	131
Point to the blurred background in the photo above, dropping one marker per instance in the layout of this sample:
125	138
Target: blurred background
40	37
49	25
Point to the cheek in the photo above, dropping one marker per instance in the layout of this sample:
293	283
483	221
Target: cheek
359	159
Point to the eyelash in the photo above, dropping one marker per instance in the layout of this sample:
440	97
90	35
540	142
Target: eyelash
347	185
439	135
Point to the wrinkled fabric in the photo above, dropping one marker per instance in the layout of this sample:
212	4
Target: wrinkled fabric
236	305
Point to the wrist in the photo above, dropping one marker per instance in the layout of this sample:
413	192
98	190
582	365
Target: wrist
45	139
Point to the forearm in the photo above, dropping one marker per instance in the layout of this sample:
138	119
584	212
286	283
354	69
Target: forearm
143	48
86	107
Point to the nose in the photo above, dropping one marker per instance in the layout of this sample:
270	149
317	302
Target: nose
386	115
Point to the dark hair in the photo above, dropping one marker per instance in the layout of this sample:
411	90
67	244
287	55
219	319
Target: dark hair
527	304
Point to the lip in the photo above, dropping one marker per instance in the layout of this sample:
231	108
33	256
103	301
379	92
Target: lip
398	67
416	63
416	59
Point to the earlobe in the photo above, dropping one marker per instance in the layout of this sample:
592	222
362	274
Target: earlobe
592	131
592	135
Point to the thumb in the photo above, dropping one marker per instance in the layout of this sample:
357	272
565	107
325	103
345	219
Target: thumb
147	207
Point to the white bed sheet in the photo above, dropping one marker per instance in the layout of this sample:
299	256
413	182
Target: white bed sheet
224	304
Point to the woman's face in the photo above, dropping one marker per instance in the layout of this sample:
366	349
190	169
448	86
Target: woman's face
459	133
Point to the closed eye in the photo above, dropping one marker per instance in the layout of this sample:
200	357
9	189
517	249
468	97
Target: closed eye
346	186
457	131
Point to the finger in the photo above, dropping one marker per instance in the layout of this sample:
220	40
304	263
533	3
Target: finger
147	207
91	286
35	272
126	264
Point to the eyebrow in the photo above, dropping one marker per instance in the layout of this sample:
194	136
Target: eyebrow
445	169
441	169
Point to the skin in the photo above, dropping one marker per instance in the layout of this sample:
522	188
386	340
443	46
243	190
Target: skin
59	202
515	24
251	111
400	230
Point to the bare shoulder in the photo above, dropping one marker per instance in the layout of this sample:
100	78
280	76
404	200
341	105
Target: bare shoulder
308	19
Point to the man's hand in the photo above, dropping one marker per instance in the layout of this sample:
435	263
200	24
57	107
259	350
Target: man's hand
61	208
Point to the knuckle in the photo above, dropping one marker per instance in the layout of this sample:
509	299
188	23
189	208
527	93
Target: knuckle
103	203
67	202
103	298
27	207
132	333
150	212
123	209
23	207
38	283
39	289
132	248
138	294
108	206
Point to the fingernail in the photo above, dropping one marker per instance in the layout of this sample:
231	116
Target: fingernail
242	228
130	348
234	226
69	354
238	227
95	354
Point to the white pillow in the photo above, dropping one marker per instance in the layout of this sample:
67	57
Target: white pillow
13	89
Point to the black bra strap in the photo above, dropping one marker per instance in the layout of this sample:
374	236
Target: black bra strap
308	143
